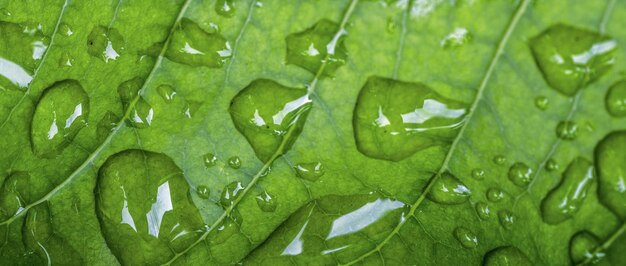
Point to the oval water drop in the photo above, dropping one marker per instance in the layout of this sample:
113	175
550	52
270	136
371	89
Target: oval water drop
105	43
193	46
506	218
234	162
505	256
62	111
615	100
567	130
610	158
310	171
447	189
564	201
106	124
142	113
478	173
230	193
483	211
225	8
542	102
466	237
209	160
203	191
499	159
495	194
166	92
552	165
583	248
317	45
520	174
266	202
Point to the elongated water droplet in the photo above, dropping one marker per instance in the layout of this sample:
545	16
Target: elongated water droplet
520	174
225	8
21	51
571	58
270	116
564	201
105	43
106	125
203	191
615	100
144	207
209	160
317	45
610	155
167	92
567	130
62	111
552	165
506	218
483	211
466	237
583	248
142	113
542	102
230	193
457	38
266	202
495	195
234	162
191	45
505	256
499	159
395	119
310	171
447	189
478	173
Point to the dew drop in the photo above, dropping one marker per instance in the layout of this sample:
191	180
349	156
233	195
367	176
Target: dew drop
270	116
506	218
62	111
21	51
466	237
5	12
394	119
310	171
191	45
225	231
230	193
520	174
552	165
542	102
391	25
14	194
66	60
266	202
495	195
567	130
571	58
166	92
478	173
142	114
499	159
447	189
610	155
225	8
65	30
317	45
106	125
209	160
615	100
203	191
583	248
506	255
483	211
566	199
234	162
105	43
457	38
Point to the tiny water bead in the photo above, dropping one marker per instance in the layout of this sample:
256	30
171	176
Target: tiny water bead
62	111
499	159
505	256
482	210
142	114
567	130
615	100
266	202
209	160
21	51
564	201
230	193
310	171
225	8
552	165
478	173
542	102
193	46
317	45
448	189
105	43
610	155
66	60
571	58
583	248
520	174
457	38
391	25
506	219
166	92
234	162
270	116
495	194
394	119
106	125
65	30
466	237
144	206
203	191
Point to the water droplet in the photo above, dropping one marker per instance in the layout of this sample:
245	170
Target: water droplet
225	8
610	155
310	171
499	159
447	189
209	160
583	248
542	102
14	194
520	174
317	45
506	218
615	100
234	162
105	43
395	119
66	60
62	111
391	25
266	202
5	12
193	46
564	201
506	255
270	116
106	124
144	206
457	38
552	165
167	92
203	191
571	58
495	195
225	231
65	30
142	114
478	173
230	193
567	130
483	211
21	53
466	237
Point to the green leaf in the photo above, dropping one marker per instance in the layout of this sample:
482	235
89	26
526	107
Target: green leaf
402	132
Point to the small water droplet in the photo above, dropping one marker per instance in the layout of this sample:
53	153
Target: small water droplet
225	8
394	119
499	159
65	30
495	195
610	155
552	165
615	100
571	58
191	45
105	43
310	171
483	211
506	218
457	38
167	92
317	45
564	201
62	111
5	12
542	102
447	189
478	173
106	124
266	202
567	130
230	193
203	191
466	237
209	160
66	60
505	256
520	174
142	114
391	25
583	248
234	162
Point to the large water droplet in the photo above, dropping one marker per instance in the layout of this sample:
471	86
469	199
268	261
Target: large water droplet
566	199
106	125
495	194
310	171
506	256
466	237
62	111
395	119
571	58
317	45
21	51
142	114
105	43
611	165
203	191
270	116
225	8
266	202
447	189
483	211
145	208
615	100
230	193
567	130
506	218
583	248
191	45
520	174
457	38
